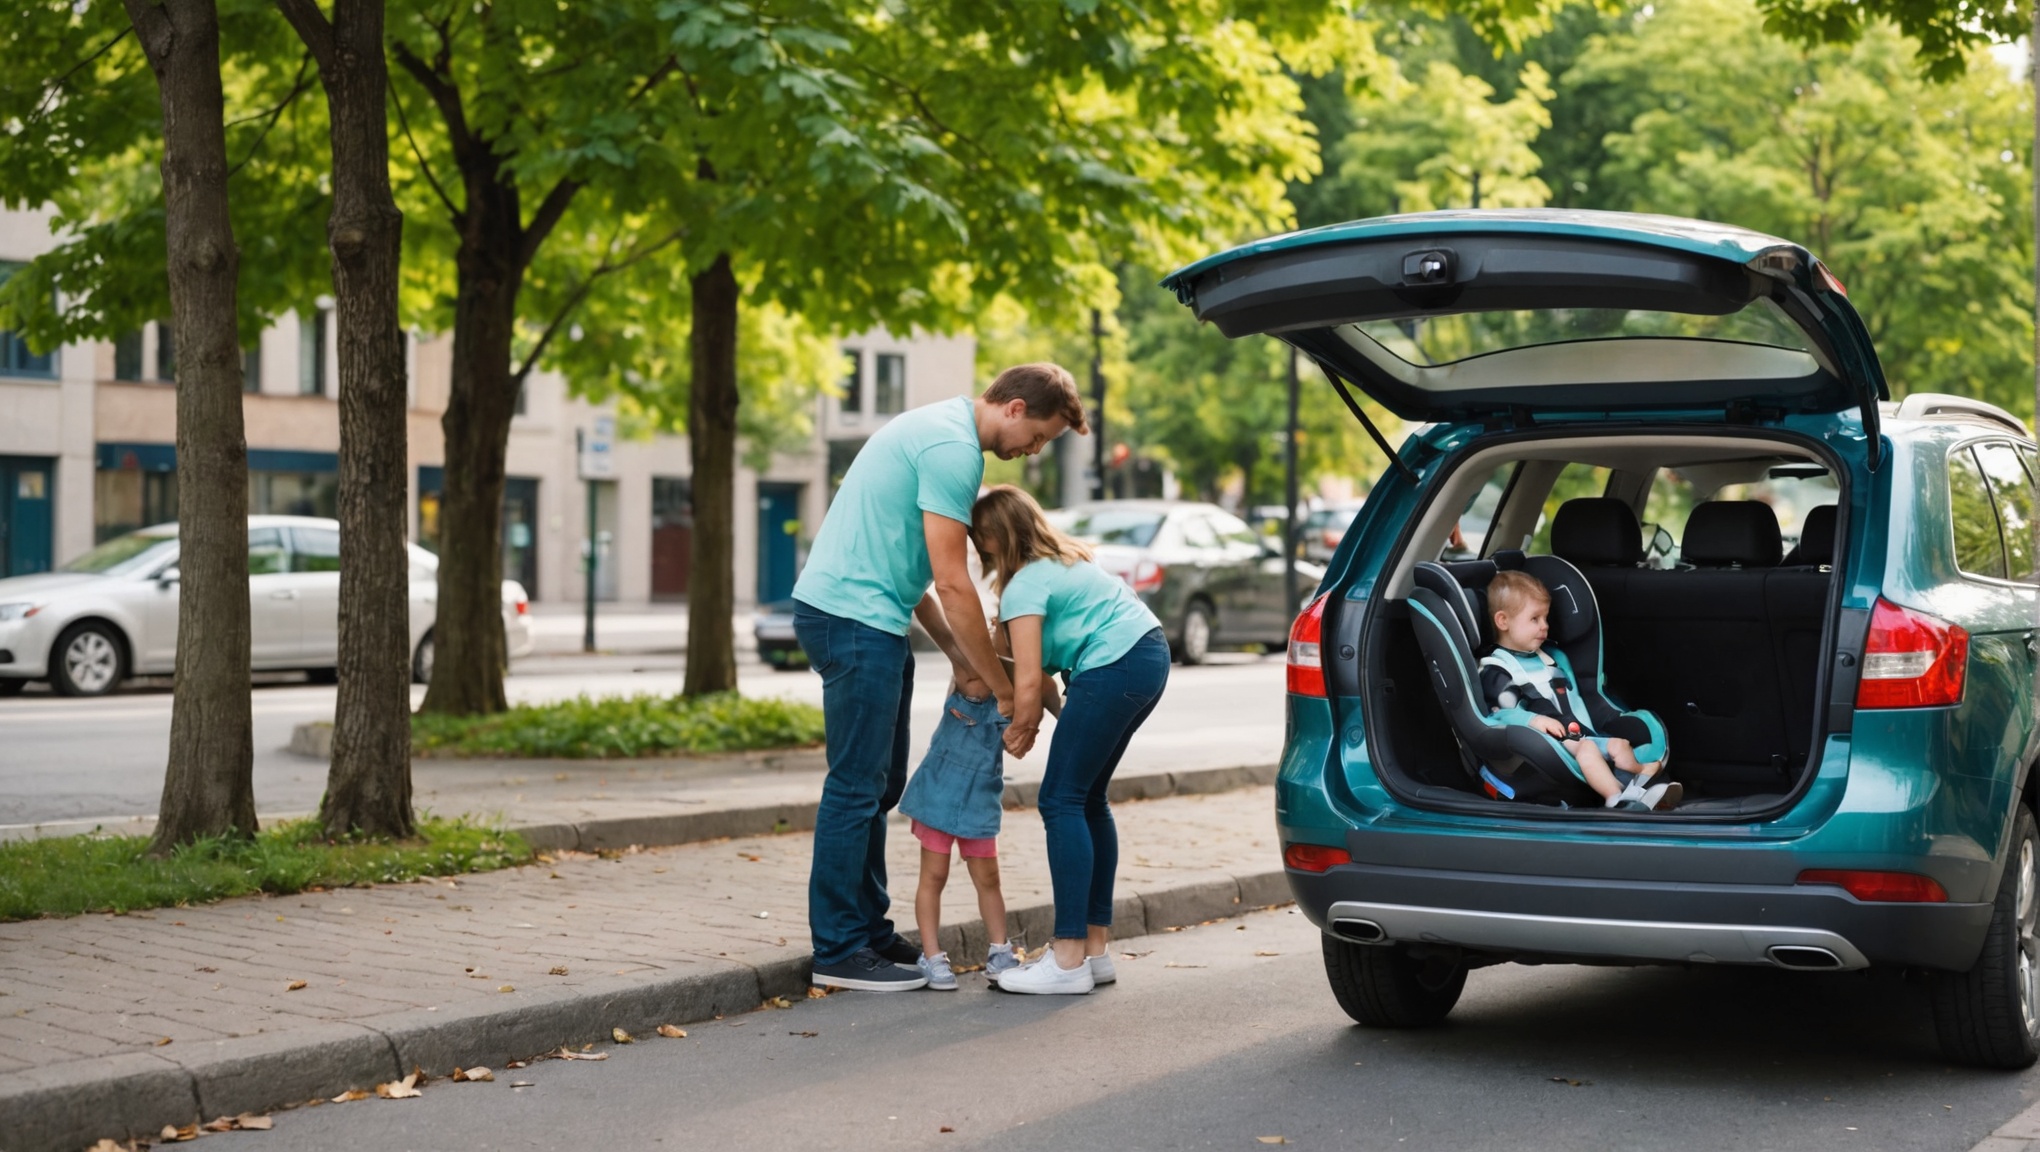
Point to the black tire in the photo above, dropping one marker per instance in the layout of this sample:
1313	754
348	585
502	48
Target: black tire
322	675
1383	986
88	659
421	661
1195	635
12	686
1989	1016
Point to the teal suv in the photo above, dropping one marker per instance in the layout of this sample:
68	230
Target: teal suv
1823	603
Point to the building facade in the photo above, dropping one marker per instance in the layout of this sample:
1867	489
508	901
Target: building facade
88	451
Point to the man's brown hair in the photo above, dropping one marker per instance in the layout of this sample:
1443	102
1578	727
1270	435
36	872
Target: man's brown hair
1049	390
1509	592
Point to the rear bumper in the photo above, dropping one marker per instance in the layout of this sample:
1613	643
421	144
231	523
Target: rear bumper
1641	921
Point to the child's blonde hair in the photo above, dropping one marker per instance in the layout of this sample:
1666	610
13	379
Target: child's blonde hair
1509	592
1010	533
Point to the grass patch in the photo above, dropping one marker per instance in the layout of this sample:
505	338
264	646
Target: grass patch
622	727
69	875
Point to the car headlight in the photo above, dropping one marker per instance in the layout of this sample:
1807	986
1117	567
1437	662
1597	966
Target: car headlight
18	611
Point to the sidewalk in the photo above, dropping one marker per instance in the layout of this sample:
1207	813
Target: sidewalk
112	1025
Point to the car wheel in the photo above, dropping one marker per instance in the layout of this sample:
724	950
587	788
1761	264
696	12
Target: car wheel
87	661
12	686
421	661
322	675
1989	1016
1384	986
1196	642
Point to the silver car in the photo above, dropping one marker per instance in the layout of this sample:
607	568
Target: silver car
112	613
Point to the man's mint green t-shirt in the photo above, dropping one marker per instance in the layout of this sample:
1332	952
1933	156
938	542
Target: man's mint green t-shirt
869	562
1091	617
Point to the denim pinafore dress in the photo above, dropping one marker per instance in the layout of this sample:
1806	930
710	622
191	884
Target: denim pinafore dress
960	786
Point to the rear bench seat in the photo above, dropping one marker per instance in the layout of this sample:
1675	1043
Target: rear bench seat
1726	653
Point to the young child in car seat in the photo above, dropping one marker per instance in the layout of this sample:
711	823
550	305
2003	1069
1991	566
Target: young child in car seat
1526	685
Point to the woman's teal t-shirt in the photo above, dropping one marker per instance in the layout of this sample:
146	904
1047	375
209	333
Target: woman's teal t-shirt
1091	617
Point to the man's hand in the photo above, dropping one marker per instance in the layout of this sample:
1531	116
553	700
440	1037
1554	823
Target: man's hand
1548	726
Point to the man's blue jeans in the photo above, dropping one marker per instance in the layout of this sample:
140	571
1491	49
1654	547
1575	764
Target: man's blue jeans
1102	710
867	687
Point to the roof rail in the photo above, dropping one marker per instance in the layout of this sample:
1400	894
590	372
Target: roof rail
1926	405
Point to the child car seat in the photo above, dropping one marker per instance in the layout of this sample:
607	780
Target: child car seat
1507	760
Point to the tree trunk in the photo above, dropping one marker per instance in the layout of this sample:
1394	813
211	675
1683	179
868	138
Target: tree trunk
208	785
467	674
368	786
712	441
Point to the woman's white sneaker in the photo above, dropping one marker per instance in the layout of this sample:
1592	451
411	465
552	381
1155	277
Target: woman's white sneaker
1045	977
1102	971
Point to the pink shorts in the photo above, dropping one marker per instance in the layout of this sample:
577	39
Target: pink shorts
937	841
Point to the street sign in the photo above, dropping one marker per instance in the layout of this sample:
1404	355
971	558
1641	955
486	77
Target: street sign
598	456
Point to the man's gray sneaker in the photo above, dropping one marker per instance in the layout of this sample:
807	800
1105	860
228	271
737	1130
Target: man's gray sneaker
1001	958
1102	971
867	971
935	969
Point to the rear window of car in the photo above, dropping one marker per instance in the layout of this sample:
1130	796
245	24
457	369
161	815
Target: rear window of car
1115	526
1428	341
1978	550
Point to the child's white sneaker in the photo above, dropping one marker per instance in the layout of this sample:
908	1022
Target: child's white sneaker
941	976
1102	971
1045	977
999	960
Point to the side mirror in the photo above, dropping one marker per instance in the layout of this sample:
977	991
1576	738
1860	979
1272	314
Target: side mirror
168	576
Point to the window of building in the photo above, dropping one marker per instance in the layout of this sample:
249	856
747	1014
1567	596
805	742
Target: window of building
15	357
166	352
892	384
853	380
1978	550
127	355
312	352
251	369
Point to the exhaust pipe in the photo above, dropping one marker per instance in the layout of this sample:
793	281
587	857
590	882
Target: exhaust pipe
1359	931
1804	958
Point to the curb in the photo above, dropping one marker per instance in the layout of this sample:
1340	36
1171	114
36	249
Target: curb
767	819
64	1107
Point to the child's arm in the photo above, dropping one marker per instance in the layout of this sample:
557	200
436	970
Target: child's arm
1025	634
1051	698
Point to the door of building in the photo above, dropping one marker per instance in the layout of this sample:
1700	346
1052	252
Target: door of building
27	488
672	536
520	532
778	540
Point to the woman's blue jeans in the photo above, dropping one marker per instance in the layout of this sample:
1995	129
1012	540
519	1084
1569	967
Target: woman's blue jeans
1102	710
867	688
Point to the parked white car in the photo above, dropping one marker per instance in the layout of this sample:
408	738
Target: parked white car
112	613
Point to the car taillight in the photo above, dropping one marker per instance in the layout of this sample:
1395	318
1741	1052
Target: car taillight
1306	658
1146	576
1331	537
524	607
1314	857
1882	887
1911	660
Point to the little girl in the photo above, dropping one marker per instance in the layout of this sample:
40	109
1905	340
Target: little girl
954	799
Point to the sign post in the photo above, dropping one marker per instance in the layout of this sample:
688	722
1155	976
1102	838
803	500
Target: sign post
597	462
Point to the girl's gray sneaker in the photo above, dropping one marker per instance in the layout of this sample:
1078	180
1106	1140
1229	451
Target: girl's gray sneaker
1000	959
936	969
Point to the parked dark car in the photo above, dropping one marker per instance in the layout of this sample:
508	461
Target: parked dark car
1322	530
1214	581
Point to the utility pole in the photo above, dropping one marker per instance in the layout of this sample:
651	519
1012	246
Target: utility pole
597	462
1289	596
1097	404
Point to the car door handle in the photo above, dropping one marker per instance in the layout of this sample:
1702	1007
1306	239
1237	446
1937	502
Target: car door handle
284	594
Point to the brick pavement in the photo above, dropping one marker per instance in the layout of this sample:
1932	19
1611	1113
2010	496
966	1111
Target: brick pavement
86	998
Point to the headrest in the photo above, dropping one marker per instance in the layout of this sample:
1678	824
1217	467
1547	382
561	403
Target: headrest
1436	579
1597	531
1816	538
1574	612
1725	532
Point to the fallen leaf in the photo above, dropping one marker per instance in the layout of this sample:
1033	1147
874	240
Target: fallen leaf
672	1033
163	1041
1173	964
105	1144
817	992
620	1036
1569	1080
207	968
753	859
350	1094
403	1089
945	1128
1243	928
1273	1139
557	970
293	985
476	1075
570	1054
507	988
809	1035
520	1083
222	1124
777	1002
249	1122
1265	952
764	915
514	1064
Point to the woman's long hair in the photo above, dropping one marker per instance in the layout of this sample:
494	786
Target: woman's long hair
1010	533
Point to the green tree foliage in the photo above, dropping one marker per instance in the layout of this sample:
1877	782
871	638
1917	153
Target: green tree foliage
1443	140
1915	193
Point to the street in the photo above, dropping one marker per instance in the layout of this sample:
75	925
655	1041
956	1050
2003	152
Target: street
1224	1036
102	759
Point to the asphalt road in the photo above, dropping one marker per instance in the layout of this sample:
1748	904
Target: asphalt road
1209	1042
103	759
